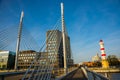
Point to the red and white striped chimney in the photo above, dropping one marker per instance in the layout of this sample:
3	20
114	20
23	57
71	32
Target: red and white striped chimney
103	54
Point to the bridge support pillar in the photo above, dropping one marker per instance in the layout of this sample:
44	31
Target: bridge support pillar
65	70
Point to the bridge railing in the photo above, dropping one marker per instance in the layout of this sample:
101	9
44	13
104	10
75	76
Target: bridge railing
92	75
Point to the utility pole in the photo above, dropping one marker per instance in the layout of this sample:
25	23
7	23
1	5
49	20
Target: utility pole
64	39
18	40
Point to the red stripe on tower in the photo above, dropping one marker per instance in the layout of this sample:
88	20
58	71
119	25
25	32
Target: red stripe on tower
103	54
102	48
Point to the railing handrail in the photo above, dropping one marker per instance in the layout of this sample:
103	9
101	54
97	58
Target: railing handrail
94	74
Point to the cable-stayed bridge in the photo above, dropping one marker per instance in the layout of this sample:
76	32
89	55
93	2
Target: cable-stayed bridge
53	60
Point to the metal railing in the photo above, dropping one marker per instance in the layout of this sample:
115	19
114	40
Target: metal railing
92	75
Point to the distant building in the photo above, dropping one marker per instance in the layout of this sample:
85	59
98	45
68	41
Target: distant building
88	64
7	59
25	58
54	47
96	58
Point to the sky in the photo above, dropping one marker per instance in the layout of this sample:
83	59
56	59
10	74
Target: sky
87	21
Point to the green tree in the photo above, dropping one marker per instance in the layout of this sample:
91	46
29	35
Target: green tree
113	60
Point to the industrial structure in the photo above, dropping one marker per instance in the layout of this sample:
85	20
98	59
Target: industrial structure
105	63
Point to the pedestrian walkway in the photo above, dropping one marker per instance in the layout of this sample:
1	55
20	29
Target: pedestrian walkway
75	75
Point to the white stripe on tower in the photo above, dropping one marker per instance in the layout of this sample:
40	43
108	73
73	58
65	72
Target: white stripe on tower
103	54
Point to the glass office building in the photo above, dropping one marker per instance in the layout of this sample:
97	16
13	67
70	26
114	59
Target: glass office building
7	59
54	47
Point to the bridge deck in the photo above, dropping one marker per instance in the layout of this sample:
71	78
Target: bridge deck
75	75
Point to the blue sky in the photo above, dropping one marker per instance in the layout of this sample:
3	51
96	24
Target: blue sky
87	21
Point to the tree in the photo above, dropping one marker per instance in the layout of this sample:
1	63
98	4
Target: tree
98	64
113	60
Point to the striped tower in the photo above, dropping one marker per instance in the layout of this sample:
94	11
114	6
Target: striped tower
105	63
